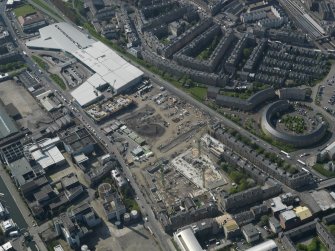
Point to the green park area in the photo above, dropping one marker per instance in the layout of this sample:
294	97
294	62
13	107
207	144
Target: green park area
294	123
198	92
24	10
245	93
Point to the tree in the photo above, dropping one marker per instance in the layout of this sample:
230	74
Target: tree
188	82
301	247
314	245
2	237
332	229
264	220
246	52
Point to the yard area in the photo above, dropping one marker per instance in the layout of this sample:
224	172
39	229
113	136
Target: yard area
314	245
207	52
24	10
294	123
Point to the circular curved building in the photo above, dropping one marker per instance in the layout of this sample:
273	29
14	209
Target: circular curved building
105	190
295	140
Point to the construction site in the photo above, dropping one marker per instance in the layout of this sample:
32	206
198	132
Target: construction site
192	173
165	122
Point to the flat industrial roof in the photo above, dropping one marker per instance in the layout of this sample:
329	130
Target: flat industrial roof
47	153
21	170
7	125
86	94
61	36
108	66
78	138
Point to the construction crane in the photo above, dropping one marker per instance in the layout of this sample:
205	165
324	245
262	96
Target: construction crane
203	168
163	177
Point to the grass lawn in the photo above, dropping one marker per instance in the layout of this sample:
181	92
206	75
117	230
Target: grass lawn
320	169
197	92
286	147
58	80
24	10
240	95
40	62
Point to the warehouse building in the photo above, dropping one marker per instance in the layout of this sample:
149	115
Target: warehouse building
109	68
7	125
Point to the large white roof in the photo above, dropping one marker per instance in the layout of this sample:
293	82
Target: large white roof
61	36
86	94
187	240
264	246
108	66
113	69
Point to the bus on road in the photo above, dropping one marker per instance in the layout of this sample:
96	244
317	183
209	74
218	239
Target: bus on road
301	162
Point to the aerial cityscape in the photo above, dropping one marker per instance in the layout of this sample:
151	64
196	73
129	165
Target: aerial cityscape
167	125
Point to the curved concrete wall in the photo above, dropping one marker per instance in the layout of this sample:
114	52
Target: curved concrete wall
295	140
248	104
